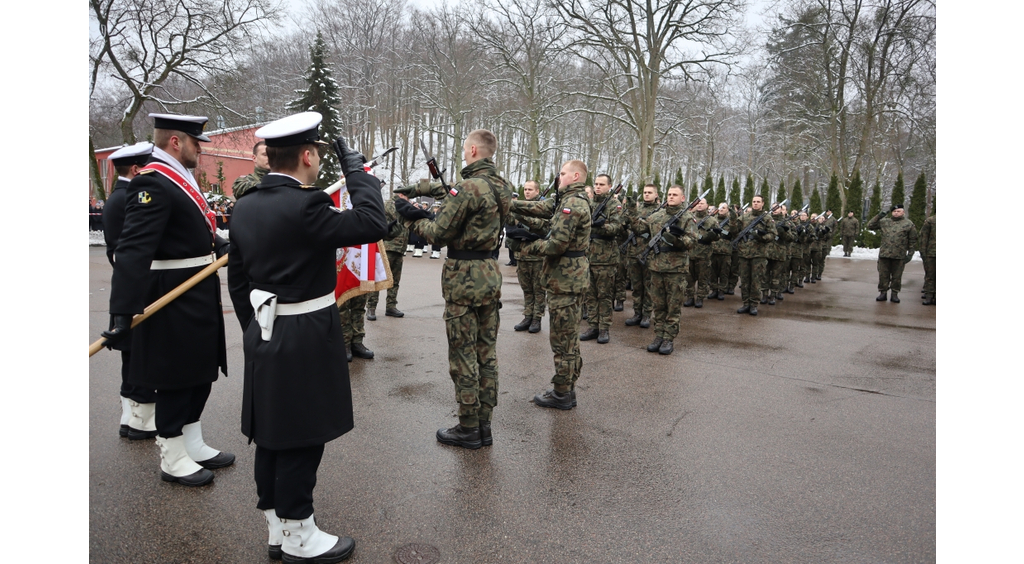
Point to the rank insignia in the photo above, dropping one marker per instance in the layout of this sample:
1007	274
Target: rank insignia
144	198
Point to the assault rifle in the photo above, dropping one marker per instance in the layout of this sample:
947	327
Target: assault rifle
757	221
435	173
653	245
600	208
632	234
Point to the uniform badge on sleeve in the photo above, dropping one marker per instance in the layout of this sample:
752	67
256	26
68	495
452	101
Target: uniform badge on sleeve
144	197
566	210
453	191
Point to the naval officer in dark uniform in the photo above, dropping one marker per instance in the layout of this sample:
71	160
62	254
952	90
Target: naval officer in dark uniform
169	235
138	407
281	275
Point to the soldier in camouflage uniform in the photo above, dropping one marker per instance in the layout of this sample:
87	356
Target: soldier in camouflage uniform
794	254
622	269
753	262
734	258
899	240
528	269
604	261
721	255
353	327
806	236
469	223
668	266
829	222
777	253
244	183
639	275
849	228
566	276
698	272
394	245
928	256
814	250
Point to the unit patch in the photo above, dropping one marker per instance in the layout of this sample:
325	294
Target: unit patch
144	197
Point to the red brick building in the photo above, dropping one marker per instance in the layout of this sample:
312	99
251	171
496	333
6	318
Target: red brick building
229	152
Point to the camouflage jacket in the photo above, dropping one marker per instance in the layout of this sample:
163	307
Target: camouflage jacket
244	183
754	245
570	233
537	225
635	214
604	246
398	234
899	236
705	236
778	249
470	219
673	256
723	246
928	237
849	227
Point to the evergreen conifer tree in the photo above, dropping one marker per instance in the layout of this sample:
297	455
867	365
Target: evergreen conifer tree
832	199
679	180
898	191
765	192
917	211
815	201
590	178
748	191
322	94
871	239
797	198
709	184
734	193
693	193
855	204
719	193
782	195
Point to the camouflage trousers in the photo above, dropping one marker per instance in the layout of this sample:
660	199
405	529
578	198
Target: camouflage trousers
697	278
564	314
822	254
721	271
774	282
667	295
599	296
395	260
752	272
929	277
472	359
529	274
813	262
352	320
848	243
734	269
890	274
621	278
796	269
640	278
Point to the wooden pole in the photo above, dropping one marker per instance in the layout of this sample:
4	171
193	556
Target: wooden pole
166	299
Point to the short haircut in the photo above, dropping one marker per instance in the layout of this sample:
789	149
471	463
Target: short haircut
577	166
123	170
287	158
534	182
757	196
606	176
162	137
257	146
646	186
485	141
676	187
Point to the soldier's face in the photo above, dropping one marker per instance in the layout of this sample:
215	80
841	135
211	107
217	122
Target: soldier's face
898	212
701	205
602	185
757	204
531	190
675	197
190	151
260	158
649	194
723	210
849	214
803	216
567	175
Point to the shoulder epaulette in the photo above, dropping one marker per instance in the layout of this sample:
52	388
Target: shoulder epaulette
146	171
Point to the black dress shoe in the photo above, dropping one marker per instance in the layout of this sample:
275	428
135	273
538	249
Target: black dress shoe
485	433
340	551
557	400
361	351
753	310
655	344
589	335
635	320
698	303
894	298
137	435
602	337
123	431
222	460
881	297
688	302
524	324
371	315
645	322
666	347
744	309
535	325
200	477
274	551
393	312
617	305
460	436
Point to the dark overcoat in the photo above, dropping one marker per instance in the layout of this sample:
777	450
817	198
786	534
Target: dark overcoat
284	240
182	345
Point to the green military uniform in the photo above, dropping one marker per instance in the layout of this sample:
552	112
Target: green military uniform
829	228
698	273
721	259
243	184
792	272
469	223
849	227
777	253
566	274
603	256
639	275
394	246
899	241
812	252
928	256
753	261
622	269
668	273
352	322
528	271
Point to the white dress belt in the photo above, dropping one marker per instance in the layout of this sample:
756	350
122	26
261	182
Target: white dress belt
267	308
182	263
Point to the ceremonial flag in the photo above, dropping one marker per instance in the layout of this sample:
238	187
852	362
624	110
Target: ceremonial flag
361	269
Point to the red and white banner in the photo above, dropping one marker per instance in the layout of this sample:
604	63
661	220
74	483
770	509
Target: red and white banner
363	269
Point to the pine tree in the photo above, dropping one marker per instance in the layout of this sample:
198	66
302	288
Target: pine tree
590	178
781	195
693	193
734	194
720	192
322	94
898	191
917	211
832	200
765	191
798	195
871	239
709	184
815	201
855	204
679	180
748	192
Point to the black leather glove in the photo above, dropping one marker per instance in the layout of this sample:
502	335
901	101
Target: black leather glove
411	212
675	230
784	227
717	229
825	230
350	159
517	233
120	329
599	221
761	232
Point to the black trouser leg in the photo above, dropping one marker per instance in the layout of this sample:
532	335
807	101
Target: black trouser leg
177	408
141	395
285	480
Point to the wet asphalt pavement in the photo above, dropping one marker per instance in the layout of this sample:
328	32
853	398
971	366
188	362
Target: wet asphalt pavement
806	434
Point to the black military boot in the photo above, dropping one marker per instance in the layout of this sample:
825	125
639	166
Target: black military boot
799	284
688	302
789	289
894	298
645	322
771	299
371	315
698	303
778	296
635	320
744	309
589	335
753	310
485	433
813	280
730	292
535	325
524	324
557	400
712	295
881	297
617	305
572	393
393	312
583	313
460	436
361	351
348	353
807	279
720	295
666	347
603	337
929	301
764	299
655	344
